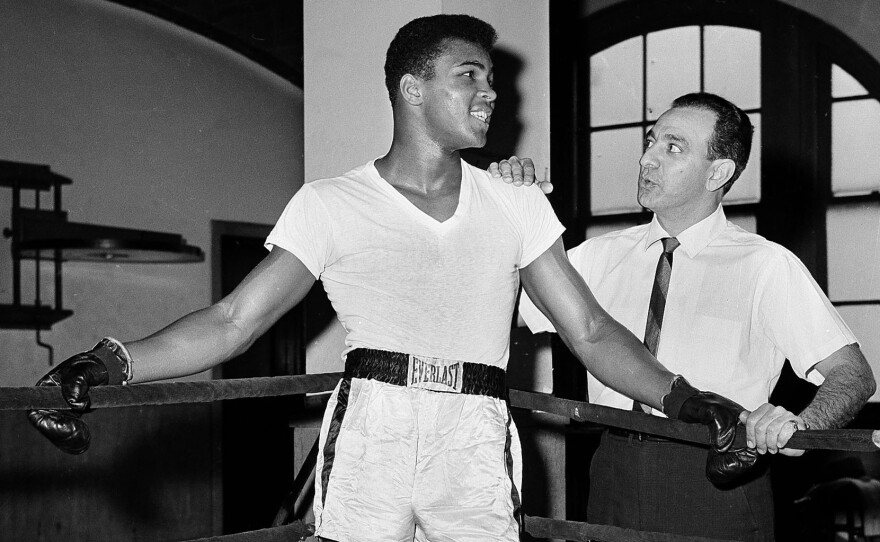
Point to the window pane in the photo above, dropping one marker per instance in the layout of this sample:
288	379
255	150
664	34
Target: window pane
855	162
862	319
854	252
844	84
733	64
673	67
614	170
747	189
616	84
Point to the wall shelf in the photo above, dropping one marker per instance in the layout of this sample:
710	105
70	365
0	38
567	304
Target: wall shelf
30	316
46	236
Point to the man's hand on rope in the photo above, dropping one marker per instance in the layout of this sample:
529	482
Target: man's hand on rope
106	364
768	429
518	172
724	464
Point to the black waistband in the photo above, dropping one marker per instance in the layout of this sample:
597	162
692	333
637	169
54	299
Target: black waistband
393	368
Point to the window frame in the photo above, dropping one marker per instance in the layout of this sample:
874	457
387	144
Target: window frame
575	38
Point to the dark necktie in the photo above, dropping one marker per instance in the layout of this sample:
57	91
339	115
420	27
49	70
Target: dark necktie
658	300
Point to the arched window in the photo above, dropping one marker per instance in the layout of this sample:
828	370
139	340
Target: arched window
813	179
634	81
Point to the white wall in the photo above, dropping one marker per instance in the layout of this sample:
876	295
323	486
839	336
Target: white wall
159	129
348	114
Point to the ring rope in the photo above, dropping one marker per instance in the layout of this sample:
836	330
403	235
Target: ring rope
296	531
163	393
854	440
536	526
588	532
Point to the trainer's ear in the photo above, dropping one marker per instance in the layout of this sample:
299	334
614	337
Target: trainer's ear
411	89
720	172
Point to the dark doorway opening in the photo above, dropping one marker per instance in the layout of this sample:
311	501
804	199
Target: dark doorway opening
255	440
254	447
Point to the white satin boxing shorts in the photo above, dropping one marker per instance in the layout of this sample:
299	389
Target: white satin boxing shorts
416	448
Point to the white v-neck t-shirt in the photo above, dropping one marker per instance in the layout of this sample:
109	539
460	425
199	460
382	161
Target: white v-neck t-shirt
400	280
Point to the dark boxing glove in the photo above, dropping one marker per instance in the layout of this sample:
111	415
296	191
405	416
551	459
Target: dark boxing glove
63	429
721	415
108	363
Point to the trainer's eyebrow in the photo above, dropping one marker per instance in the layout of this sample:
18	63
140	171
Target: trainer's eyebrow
677	139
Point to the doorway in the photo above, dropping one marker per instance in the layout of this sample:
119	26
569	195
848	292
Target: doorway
254	443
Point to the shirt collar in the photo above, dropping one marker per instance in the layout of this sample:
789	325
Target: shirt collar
694	239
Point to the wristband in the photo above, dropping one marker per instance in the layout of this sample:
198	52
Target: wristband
679	391
124	358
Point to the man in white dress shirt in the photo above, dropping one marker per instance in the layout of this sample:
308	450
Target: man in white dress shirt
737	307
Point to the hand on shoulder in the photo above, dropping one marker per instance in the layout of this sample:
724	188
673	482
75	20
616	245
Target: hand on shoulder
520	172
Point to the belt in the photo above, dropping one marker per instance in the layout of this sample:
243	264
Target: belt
636	435
435	374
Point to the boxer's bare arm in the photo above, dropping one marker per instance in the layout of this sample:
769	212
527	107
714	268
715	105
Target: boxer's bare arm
207	337
606	348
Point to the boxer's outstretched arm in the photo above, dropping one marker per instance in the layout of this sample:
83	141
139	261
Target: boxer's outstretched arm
210	336
194	343
606	348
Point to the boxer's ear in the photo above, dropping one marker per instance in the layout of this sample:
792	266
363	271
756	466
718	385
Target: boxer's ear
411	89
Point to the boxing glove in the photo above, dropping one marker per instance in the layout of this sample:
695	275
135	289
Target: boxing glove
108	363
724	465
63	429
